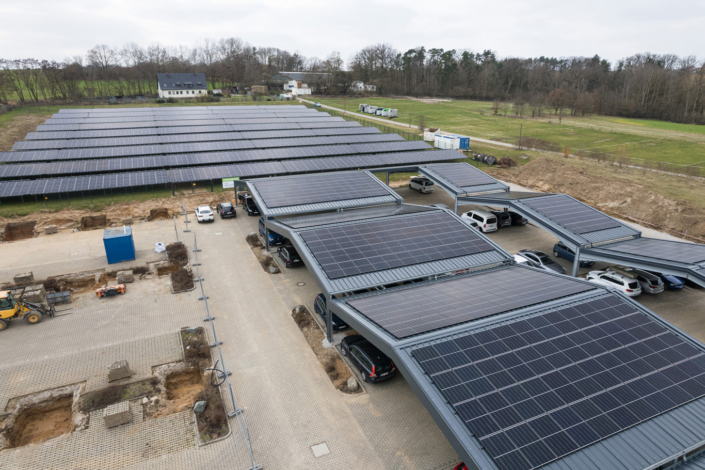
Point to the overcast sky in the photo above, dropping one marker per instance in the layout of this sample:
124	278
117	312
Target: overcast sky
50	29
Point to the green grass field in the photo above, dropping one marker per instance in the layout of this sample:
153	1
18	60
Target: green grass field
654	141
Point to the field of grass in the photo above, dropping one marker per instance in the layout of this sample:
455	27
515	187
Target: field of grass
680	144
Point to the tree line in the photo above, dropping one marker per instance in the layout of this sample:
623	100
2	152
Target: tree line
657	86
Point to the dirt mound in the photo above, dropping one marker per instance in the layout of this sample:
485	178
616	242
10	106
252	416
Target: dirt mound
177	254
91	222
265	259
338	372
16	130
18	231
181	281
196	347
42	422
668	202
116	393
158	214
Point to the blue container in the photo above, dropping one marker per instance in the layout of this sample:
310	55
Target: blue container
464	143
119	245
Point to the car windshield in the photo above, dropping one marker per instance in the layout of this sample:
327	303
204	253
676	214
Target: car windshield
492	220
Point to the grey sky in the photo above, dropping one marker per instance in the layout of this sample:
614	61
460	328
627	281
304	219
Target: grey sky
47	29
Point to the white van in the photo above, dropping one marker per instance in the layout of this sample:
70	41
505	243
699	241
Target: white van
486	221
421	184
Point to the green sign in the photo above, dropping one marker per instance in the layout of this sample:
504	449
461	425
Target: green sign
229	183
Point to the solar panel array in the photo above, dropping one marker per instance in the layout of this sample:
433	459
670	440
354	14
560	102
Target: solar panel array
194	117
462	174
573	215
689	253
184	122
313	189
110	133
347	142
192	174
408	312
367	247
539	388
83	183
183	138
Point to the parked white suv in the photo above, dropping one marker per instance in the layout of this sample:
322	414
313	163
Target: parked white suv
421	184
204	214
623	283
486	221
650	283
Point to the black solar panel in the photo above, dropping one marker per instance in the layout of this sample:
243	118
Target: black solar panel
462	174
688	253
393	243
537	389
421	309
573	215
282	192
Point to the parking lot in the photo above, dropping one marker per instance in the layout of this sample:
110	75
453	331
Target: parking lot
289	402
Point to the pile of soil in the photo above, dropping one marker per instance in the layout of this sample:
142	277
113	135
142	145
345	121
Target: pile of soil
19	231
177	254
181	281
338	372
621	192
196	347
112	394
92	222
265	260
213	422
158	214
42	422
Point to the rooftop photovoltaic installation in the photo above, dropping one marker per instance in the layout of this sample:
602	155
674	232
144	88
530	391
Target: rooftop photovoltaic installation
313	189
378	245
573	215
538	388
461	174
410	311
688	253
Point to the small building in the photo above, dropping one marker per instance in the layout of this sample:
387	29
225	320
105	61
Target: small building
259	89
181	85
359	87
301	83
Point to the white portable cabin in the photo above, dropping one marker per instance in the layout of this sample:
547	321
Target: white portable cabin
393	113
371	109
385	112
362	107
446	142
379	111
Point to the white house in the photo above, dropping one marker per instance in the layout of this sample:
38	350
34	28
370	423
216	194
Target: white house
181	85
294	82
359	86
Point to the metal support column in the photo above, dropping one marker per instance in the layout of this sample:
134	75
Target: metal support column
211	185
387	178
266	238
576	262
456	204
329	322
172	189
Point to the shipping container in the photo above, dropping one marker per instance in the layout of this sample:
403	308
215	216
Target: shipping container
119	245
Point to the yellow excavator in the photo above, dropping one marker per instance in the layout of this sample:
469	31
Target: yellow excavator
12	308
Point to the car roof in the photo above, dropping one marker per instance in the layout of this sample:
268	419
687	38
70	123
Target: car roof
370	349
482	213
534	252
204	207
226	204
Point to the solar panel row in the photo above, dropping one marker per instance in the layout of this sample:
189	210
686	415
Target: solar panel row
186	122
393	243
191	159
573	215
159	109
421	309
689	253
314	189
461	174
152	131
183	138
82	183
56	185
177	117
539	388
115	152
195	111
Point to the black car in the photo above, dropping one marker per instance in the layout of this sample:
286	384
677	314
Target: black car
226	210
517	219
290	256
372	363
248	204
319	305
503	218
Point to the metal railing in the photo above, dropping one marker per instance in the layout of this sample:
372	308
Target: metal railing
223	373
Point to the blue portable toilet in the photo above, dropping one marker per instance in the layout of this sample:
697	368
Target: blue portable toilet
119	245
464	143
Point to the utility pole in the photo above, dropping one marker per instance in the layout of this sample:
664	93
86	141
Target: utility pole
410	120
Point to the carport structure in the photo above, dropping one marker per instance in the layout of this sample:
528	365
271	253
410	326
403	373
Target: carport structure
589	233
519	368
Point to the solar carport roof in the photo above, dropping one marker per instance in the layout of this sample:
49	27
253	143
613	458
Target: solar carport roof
461	178
319	192
567	375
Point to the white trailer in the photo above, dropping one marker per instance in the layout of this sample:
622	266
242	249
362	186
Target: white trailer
446	142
